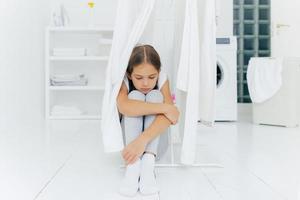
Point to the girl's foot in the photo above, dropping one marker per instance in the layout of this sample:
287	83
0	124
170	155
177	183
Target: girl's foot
147	182
130	183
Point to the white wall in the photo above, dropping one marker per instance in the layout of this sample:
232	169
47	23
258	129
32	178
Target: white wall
21	60
105	11
225	24
286	14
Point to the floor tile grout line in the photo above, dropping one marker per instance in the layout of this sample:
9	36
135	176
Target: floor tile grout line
212	184
75	147
269	186
52	177
252	173
260	179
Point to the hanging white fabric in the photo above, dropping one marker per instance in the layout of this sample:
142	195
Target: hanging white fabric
196	74
132	17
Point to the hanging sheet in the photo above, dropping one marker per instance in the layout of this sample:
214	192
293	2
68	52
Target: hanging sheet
196	73
131	20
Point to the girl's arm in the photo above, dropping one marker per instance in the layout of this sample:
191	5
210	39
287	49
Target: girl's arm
161	122
136	148
132	108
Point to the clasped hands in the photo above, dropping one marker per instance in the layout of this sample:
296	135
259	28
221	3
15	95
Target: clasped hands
171	112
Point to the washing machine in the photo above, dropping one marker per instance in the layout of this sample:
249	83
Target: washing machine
226	94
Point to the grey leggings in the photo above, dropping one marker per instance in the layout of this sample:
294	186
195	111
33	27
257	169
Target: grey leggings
134	126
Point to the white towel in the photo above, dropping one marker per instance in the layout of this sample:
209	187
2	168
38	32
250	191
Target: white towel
264	78
197	72
68	79
69	83
132	17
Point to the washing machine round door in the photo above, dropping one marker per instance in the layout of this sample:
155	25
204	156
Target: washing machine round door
220	75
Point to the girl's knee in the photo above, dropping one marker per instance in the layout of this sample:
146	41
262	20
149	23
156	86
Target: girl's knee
136	95
154	96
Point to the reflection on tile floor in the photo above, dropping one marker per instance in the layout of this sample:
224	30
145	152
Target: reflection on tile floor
65	160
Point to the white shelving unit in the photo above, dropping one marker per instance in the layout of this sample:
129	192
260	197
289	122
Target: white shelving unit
87	98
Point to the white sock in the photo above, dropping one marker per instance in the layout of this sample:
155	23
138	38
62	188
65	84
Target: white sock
147	182
130	183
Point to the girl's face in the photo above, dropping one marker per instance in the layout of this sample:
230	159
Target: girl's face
144	77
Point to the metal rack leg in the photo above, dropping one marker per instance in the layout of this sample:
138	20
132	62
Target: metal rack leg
172	164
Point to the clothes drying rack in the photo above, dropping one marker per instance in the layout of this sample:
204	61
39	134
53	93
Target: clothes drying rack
174	164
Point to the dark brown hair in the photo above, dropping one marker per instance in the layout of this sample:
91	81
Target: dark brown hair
143	54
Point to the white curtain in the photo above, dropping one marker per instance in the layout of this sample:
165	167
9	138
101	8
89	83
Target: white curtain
196	73
131	20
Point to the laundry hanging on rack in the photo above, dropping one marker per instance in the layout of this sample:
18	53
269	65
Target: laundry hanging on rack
196	74
131	20
264	78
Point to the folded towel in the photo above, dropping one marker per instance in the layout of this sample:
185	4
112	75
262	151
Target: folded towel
68	79
264	78
69	83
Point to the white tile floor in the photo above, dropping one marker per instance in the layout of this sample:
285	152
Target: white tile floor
63	160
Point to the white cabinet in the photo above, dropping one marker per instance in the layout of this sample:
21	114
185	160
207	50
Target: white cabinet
282	109
86	100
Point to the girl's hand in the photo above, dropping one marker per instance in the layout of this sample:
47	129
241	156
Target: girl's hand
172	113
134	150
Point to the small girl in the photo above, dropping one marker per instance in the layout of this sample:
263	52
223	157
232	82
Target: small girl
147	109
